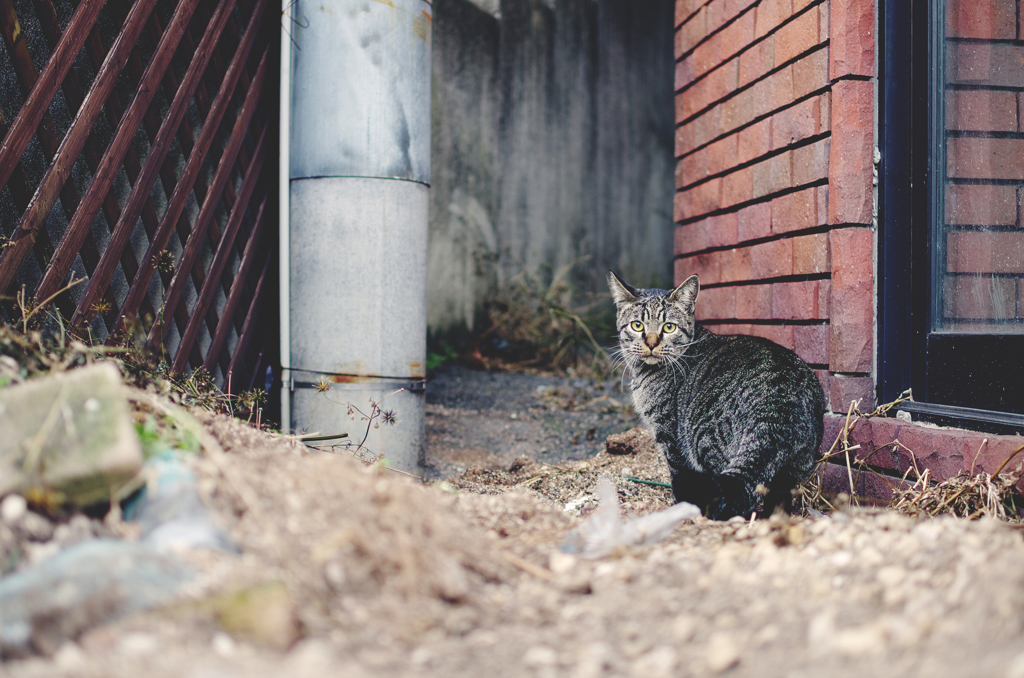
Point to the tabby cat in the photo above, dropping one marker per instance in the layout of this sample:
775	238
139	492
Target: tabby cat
730	413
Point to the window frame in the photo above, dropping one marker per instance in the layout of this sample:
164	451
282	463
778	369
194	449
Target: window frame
969	380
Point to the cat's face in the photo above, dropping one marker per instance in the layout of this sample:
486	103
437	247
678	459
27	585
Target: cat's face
655	326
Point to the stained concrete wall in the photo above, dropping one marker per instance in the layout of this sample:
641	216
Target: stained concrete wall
552	142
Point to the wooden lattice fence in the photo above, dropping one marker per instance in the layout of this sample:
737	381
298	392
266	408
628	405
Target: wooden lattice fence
138	157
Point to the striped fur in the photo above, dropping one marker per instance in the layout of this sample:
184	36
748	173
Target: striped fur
729	412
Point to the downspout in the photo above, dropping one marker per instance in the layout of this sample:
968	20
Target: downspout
359	172
283	215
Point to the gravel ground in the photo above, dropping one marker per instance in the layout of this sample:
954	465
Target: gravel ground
372	573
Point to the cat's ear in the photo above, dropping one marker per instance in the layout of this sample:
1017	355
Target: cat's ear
622	292
686	294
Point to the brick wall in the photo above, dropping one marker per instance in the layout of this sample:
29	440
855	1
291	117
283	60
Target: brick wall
984	281
774	146
774	141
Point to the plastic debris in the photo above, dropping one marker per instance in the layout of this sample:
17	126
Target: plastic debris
604	532
86	585
170	511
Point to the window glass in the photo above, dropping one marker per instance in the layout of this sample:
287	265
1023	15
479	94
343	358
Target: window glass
979	258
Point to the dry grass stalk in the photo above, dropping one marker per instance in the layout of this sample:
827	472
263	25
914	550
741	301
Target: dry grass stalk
967	495
810	494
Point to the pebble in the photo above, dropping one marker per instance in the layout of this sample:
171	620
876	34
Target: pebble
35	527
626	472
540	655
722	653
223	644
658	663
138	644
13	508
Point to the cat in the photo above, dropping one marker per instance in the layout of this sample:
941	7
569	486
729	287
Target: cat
733	415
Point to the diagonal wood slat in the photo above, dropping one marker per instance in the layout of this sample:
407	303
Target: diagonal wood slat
223	173
200	136
20	133
103	176
221	257
71	146
140	284
150	171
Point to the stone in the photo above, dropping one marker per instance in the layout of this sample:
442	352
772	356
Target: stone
630	442
68	434
13	508
264	613
722	653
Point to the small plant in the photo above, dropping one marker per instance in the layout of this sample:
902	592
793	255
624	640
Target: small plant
373	419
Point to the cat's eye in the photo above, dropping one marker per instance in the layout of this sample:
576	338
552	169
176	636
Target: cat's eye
637	326
669	328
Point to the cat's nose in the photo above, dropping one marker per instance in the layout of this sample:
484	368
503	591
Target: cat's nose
651	339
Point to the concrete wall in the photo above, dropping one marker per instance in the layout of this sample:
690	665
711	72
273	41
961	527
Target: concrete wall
552	141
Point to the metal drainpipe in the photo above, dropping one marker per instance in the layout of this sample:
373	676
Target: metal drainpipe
358	186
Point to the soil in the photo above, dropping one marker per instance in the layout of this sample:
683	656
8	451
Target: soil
354	570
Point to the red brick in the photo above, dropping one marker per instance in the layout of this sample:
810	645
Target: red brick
796	37
737	187
685	8
812	343
780	334
754	221
850	156
852	311
717	267
707	127
794	211
823	377
822	205
986	19
685	140
852	38
771	13
706	56
736	111
810	73
811	254
979	252
1020	298
700	199
981	110
690	237
757	60
985	158
716	303
684	73
938	450
795	123
844	390
989	63
796	301
981	205
825	298
825	114
992	455
679	108
679	177
712	159
713	87
754	302
771	259
780	170
691	33
724	44
782	89
810	164
761	177
979	297
721	230
754	141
